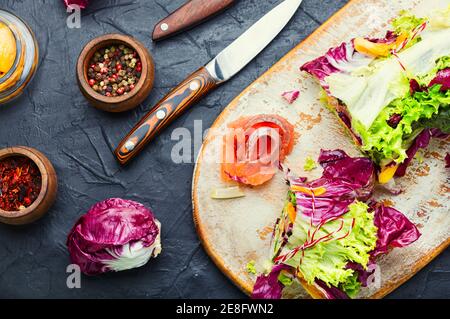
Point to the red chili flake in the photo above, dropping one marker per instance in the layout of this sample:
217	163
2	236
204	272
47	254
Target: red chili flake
20	183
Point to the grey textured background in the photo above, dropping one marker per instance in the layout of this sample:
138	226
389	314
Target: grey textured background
53	117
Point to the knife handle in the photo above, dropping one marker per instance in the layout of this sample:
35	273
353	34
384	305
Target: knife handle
169	108
189	15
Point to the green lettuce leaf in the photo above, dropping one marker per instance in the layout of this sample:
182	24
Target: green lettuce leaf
441	64
327	261
440	121
427	109
310	164
285	278
251	269
406	22
352	285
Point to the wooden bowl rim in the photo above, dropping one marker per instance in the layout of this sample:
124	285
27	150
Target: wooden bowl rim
36	157
92	46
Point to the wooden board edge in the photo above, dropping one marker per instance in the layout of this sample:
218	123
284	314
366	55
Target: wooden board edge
218	261
391	286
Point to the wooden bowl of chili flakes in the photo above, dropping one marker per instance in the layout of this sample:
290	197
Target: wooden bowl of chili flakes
28	185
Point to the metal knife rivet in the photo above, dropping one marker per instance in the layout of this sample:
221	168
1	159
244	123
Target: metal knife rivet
129	146
164	27
194	86
160	114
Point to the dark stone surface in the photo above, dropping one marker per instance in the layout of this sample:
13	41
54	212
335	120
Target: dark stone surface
53	117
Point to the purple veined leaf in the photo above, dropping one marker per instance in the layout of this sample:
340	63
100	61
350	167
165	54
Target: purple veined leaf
291	96
390	37
331	292
268	286
394	120
363	274
114	235
421	141
343	58
394	229
344	179
81	3
414	86
442	78
356	170
321	67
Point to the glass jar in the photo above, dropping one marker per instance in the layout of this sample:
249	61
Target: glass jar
21	40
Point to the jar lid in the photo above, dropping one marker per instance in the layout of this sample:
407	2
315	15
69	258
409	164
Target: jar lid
20	73
8	49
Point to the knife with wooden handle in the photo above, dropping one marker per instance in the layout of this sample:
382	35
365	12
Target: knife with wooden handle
189	15
170	107
220	69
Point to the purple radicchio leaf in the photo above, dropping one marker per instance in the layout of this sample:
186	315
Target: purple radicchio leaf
81	3
442	78
422	140
364	275
100	235
390	37
394	229
343	58
414	86
447	160
331	292
322	67
291	96
394	120
344	178
268	286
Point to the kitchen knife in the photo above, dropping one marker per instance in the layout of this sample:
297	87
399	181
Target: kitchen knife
223	67
189	15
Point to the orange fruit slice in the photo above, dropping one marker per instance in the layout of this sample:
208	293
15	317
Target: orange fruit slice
8	49
367	47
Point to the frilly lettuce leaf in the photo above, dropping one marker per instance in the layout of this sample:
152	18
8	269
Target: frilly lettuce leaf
357	233
310	164
406	22
439	121
441	64
426	109
327	261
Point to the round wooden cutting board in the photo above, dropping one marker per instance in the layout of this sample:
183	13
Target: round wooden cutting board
237	231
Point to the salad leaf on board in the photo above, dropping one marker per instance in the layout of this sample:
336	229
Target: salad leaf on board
388	101
334	251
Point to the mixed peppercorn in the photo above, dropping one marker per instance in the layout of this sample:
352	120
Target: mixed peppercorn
114	70
20	183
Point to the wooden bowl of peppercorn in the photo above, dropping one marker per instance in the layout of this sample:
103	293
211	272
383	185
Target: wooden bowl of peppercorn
28	185
115	72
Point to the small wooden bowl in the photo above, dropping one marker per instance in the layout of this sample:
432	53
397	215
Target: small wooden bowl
48	192
117	103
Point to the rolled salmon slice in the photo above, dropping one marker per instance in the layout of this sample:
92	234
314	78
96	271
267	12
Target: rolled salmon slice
253	148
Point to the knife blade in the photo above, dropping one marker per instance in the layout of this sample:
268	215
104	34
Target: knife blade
223	67
188	16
